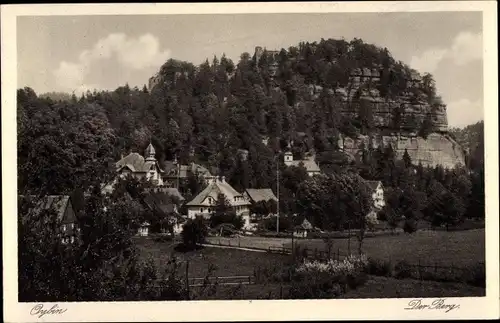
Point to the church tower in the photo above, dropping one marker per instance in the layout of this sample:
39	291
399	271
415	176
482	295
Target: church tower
150	153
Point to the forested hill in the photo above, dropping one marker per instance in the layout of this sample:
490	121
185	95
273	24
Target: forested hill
309	98
471	138
315	94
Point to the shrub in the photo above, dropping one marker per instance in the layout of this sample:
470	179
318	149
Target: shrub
410	226
403	270
380	267
163	238
476	276
315	287
194	232
226	218
316	279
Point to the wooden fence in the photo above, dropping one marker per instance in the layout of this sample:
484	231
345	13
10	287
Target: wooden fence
222	280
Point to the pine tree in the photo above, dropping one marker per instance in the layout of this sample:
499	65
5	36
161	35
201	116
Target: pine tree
407	159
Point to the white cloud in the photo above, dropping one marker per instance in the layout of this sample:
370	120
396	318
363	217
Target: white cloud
69	74
464	112
466	47
131	53
428	61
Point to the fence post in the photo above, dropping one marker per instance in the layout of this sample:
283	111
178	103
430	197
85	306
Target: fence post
419	270
187	279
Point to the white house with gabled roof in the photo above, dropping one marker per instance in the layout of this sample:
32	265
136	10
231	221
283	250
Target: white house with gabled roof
205	202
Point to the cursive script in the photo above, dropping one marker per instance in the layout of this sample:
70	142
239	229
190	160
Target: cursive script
40	311
438	304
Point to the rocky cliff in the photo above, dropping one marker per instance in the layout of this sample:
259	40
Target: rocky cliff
436	149
413	110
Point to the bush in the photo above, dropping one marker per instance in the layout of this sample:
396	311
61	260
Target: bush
227	218
315	279
315	287
410	226
378	267
403	270
162	238
476	276
194	232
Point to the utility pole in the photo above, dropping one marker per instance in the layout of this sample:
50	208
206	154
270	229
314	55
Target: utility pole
278	192
178	171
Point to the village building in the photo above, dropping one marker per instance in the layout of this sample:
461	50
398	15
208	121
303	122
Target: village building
302	230
166	205
139	167
175	172
255	195
377	194
163	204
204	203
68	231
308	163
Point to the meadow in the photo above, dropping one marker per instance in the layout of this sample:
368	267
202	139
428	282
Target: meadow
225	262
454	248
442	247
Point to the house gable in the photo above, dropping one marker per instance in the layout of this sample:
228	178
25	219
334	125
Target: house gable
69	215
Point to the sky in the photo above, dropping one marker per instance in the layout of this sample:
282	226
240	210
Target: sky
76	53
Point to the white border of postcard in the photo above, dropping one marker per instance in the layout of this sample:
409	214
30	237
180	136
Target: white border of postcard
481	307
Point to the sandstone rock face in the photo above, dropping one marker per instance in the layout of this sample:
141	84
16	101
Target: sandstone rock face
437	149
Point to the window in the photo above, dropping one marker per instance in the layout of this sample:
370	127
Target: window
72	239
64	227
201	210
72	226
209	210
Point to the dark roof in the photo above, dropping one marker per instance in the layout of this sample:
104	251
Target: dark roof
171	191
162	203
136	163
172	168
261	194
58	202
159	201
373	184
309	164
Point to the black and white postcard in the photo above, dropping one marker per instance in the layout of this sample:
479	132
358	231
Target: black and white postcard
250	161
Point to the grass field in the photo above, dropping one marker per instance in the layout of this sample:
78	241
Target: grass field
227	262
384	287
375	287
232	262
456	248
